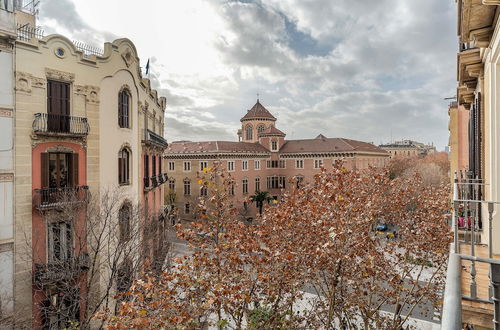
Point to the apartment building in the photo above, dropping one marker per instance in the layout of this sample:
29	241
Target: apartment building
472	292
76	122
262	160
408	148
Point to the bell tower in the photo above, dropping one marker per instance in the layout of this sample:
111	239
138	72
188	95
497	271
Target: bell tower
255	121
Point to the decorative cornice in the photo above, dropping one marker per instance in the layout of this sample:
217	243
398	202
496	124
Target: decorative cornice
59	75
481	37
491	2
38	139
474	70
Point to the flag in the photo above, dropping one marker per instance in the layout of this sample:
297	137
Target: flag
147	67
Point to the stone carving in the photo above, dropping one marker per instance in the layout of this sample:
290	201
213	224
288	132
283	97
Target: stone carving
91	92
6	177
59	75
38	82
23	82
5	112
59	148
128	57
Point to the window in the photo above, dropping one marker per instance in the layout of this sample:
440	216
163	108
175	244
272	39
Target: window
124	215
124	276
260	128
59	170
187	187
244	165
124	167
276	182
171	166
60	244
58	106
299	163
318	163
256	164
203	191
171	184
276	163
124	108
203	165
231	189
153	163
299	181
274	145
187	166
187	208
249	132
245	186
230	165
257	184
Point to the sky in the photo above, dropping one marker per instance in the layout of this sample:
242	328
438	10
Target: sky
360	69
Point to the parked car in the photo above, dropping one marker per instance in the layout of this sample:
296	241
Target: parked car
381	227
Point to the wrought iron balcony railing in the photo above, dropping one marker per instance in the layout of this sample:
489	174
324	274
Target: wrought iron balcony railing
154	181
147	183
47	198
467	251
50	124
63	271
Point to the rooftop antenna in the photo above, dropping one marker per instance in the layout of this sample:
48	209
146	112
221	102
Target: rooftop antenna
391	134
257	97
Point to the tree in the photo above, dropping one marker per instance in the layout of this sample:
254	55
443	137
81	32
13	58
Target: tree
96	247
259	198
313	261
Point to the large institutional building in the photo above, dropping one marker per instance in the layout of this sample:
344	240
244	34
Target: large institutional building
262	160
75	121
408	148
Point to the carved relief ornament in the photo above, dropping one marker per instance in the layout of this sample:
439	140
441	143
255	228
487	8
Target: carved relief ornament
91	92
59	75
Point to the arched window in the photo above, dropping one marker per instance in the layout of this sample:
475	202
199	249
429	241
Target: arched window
124	166
124	215
249	132
124	108
203	191
261	128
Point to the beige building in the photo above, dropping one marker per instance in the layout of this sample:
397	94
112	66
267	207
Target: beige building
472	293
407	148
86	122
262	160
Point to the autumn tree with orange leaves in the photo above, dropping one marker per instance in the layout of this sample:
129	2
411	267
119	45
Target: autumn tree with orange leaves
313	261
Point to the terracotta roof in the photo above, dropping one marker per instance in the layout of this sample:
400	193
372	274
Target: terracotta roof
272	131
258	111
213	147
328	145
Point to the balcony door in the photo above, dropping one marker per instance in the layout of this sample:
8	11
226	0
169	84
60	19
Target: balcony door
59	170
58	97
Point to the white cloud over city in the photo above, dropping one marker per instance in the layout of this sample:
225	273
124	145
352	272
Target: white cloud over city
356	69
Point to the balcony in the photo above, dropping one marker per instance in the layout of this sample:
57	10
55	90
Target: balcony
154	140
49	198
155	181
64	271
60	125
472	291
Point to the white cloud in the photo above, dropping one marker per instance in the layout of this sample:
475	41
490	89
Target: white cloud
383	65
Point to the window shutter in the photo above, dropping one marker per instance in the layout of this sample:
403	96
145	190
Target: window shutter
74	161
119	169
45	169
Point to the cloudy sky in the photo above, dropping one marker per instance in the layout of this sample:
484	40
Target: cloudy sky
358	69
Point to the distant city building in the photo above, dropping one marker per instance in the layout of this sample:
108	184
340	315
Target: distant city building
262	160
408	148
